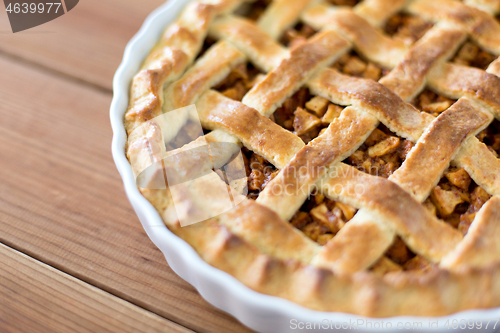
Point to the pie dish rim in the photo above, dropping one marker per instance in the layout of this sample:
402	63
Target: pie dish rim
247	305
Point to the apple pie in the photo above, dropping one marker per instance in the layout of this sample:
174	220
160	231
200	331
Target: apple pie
368	134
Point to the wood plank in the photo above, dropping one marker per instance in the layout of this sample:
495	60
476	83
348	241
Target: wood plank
87	43
56	302
62	201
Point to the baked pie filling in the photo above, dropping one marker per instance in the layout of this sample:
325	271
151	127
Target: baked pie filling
401	98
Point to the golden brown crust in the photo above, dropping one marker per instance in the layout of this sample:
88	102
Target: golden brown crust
168	59
442	291
209	70
376	12
382	103
437	146
255	43
146	90
280	16
370	42
481	27
262	227
273	142
422	231
293	72
408	78
490	6
494	67
357	246
480	164
288	191
145	146
253	242
455	81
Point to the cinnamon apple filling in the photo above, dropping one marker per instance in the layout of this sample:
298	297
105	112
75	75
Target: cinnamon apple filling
471	55
254	10
296	35
239	81
400	258
348	3
381	154
406	28
354	65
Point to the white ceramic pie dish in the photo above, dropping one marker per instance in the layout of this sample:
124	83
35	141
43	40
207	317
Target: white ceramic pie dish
258	311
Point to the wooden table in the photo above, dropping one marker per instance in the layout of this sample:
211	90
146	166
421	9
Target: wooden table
73	254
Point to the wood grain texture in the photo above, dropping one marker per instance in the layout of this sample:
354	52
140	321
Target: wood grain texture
87	43
38	298
62	201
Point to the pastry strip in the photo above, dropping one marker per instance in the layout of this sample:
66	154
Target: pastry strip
209	70
262	50
263	227
455	81
319	51
291	187
437	146
369	41
481	26
280	15
377	12
273	142
372	97
385	200
408	79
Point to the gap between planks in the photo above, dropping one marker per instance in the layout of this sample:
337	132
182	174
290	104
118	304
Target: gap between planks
54	72
57	209
37	297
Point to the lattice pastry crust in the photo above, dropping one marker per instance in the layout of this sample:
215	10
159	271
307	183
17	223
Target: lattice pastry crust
255	242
